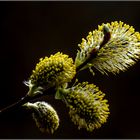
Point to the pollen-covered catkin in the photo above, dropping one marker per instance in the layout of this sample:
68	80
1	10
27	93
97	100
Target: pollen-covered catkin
53	71
119	53
87	108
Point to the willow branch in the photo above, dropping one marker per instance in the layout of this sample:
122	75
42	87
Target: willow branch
22	101
91	56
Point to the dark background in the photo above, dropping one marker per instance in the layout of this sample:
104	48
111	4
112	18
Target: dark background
30	30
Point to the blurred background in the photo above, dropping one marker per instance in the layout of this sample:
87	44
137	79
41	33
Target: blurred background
30	30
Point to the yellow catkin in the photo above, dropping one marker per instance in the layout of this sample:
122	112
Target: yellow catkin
87	108
119	53
53	71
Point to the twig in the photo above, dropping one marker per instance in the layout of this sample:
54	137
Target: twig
22	101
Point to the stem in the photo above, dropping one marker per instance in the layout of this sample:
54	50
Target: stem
15	105
20	102
92	55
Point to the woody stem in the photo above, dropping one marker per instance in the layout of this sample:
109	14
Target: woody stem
20	102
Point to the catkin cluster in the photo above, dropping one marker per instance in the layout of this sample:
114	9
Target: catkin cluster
113	47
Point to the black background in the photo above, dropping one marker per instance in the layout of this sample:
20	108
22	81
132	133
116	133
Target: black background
30	30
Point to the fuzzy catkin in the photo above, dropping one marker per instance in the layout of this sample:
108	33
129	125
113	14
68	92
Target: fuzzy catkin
44	115
53	71
120	52
87	108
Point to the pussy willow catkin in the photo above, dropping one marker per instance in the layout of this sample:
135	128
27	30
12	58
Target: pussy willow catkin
53	71
87	108
44	116
119	53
